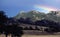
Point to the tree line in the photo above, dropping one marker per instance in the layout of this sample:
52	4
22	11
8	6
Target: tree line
52	26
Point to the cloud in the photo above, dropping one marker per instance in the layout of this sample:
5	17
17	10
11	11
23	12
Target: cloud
44	8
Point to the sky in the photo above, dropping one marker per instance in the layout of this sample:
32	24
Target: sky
13	7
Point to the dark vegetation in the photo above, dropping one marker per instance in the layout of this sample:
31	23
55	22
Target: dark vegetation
10	25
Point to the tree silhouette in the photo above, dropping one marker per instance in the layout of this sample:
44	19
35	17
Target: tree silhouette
28	21
49	30
3	21
36	28
9	29
53	26
30	28
26	28
6	30
15	30
21	20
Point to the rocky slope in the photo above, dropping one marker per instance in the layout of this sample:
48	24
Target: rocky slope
35	15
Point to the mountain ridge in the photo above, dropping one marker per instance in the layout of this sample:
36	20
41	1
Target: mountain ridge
36	15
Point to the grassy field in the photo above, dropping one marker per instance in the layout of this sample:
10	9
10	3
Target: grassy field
35	36
41	36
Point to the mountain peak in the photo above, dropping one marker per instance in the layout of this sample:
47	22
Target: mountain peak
22	12
34	15
34	11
